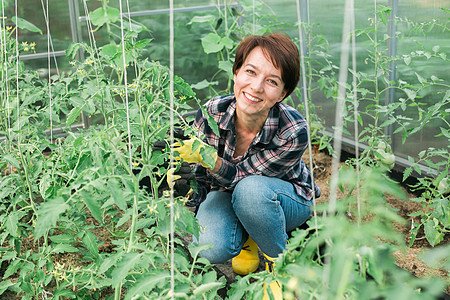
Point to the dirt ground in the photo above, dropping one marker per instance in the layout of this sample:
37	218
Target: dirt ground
410	260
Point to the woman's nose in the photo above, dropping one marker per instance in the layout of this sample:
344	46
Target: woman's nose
258	85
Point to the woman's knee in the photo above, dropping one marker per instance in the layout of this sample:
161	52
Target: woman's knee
250	190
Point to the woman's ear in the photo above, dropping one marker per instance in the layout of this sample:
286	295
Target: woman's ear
235	74
282	96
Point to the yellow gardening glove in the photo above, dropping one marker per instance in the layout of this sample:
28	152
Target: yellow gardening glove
171	178
190	151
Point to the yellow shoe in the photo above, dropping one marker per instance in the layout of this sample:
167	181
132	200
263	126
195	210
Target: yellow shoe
275	286
248	260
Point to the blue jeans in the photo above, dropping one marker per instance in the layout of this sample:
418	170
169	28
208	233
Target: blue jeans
263	207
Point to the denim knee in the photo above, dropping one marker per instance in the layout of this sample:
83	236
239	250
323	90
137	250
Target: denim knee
249	193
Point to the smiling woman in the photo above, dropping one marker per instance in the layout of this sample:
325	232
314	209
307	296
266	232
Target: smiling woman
259	188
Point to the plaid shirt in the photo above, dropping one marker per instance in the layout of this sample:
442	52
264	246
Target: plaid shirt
276	150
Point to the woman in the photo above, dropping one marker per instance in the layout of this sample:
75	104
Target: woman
258	188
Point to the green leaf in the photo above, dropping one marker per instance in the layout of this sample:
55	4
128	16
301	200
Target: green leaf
434	78
136	28
211	121
11	223
388	122
44	184
432	235
73	115
117	194
226	66
90	241
411	94
100	16
420	78
11	160
63	293
182	89
76	101
407	173
109	50
417	213
195	249
126	216
147	283
438	257
227	42
47	215
94	206
431	164
445	132
142	43
128	261
72	51
407	59
4	285
108	263
417	169
204	84
202	19
207	154
62	238
24	24
207	287
64	248
12	268
118	59
212	43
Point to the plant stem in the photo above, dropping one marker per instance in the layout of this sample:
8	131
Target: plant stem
27	178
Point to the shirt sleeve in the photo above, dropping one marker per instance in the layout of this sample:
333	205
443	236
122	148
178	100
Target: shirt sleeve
278	161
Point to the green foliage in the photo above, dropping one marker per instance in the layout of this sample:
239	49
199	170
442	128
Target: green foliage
341	259
423	100
75	193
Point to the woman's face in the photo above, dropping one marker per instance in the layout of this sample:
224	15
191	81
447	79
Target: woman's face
257	85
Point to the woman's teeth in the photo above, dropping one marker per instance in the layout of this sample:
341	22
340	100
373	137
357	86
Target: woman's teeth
252	98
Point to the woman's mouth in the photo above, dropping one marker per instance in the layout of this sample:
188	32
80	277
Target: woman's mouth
251	98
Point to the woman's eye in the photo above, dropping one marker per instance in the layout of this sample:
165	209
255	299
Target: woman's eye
250	72
273	82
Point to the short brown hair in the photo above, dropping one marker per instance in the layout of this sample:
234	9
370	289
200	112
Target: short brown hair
282	52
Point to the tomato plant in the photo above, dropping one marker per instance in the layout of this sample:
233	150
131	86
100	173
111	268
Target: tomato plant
94	230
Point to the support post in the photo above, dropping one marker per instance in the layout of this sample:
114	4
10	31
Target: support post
392	52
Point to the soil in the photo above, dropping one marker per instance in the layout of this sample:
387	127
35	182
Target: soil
408	260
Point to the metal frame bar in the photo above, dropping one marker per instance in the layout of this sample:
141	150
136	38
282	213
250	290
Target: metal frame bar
42	55
75	27
392	52
166	11
348	145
